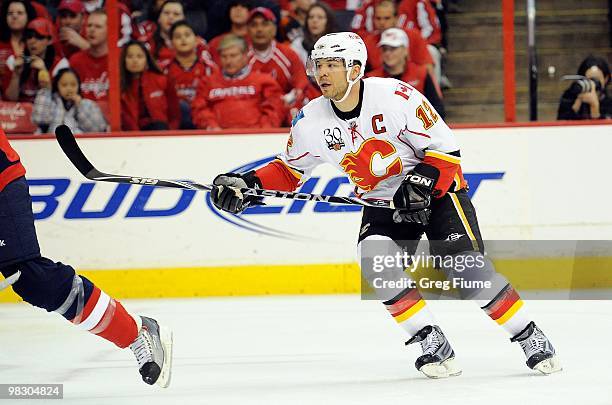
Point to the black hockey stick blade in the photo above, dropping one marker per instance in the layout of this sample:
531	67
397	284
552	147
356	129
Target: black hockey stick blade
71	149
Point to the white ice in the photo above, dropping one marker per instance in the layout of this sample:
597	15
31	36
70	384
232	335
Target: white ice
310	350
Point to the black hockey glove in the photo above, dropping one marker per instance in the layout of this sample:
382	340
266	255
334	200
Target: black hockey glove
413	197
226	195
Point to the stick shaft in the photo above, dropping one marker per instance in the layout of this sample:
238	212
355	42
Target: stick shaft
71	149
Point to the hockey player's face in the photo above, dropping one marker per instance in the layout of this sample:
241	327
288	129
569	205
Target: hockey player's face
330	75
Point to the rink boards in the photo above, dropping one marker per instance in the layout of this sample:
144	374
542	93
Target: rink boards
527	183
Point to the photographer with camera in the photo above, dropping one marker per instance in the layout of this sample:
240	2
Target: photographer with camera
587	96
37	66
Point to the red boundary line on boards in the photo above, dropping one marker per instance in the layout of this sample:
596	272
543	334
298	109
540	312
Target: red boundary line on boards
273	131
509	67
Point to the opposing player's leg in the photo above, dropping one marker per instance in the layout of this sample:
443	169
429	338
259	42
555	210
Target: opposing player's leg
453	230
56	287
400	295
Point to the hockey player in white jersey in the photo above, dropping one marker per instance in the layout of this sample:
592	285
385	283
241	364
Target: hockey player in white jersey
392	145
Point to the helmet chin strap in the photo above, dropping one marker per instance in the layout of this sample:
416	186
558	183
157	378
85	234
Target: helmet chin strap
351	83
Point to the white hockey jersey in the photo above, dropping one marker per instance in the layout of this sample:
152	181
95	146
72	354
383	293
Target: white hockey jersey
396	129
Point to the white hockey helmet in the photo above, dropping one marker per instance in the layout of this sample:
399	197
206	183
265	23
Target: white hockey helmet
345	45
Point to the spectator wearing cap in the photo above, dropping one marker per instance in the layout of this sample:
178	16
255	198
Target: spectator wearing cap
238	96
396	64
71	27
38	64
14	17
92	65
385	17
238	15
277	59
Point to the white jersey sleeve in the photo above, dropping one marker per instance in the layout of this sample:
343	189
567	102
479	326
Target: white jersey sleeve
300	156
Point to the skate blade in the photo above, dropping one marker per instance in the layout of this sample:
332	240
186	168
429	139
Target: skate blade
165	335
549	366
444	369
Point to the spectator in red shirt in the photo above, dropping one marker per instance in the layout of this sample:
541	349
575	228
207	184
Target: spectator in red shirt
237	97
187	69
160	44
37	65
396	63
362	22
148	97
277	59
385	17
92	65
14	17
71	27
420	14
125	19
238	15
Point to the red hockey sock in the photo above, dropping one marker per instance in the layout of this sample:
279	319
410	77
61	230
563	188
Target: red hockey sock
105	317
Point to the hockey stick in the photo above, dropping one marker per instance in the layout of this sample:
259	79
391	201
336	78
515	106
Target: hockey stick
71	149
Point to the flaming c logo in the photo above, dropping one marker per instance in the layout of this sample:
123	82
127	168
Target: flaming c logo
369	165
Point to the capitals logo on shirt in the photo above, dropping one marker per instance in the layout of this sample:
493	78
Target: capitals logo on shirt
372	163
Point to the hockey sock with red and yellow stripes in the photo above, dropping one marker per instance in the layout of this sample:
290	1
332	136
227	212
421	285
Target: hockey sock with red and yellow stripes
409	310
507	310
91	309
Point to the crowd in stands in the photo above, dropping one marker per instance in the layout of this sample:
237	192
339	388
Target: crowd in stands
202	64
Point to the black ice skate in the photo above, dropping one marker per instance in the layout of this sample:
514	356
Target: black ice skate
538	350
153	351
438	359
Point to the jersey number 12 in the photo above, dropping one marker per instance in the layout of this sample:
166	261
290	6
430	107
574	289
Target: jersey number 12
427	115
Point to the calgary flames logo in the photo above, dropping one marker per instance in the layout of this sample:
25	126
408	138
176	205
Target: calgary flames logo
371	164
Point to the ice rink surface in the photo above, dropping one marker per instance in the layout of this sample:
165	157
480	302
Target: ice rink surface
310	350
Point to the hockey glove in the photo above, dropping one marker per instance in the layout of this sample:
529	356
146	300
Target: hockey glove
226	194
413	197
